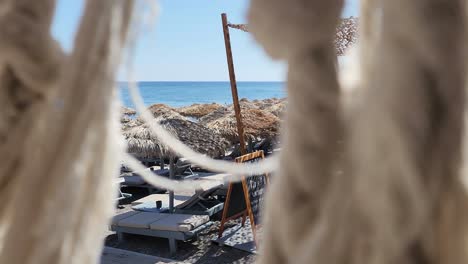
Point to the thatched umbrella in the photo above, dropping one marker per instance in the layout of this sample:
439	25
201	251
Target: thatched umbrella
257	124
127	111
164	112
198	110
128	123
143	143
246	104
266	103
222	111
127	118
218	113
277	109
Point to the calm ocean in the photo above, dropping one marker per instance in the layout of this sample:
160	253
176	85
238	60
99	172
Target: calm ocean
178	94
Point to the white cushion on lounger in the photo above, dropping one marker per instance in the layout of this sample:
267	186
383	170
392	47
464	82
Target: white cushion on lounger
117	218
140	220
179	222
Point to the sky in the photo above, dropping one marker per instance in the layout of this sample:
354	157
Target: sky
186	43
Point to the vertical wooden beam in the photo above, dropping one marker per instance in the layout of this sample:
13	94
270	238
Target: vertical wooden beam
232	79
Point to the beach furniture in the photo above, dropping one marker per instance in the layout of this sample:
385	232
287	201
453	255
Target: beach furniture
122	195
133	179
202	203
171	226
148	203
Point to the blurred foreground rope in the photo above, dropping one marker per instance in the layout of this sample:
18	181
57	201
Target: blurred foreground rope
378	180
58	132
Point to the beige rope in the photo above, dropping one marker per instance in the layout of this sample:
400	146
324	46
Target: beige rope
57	188
398	197
313	120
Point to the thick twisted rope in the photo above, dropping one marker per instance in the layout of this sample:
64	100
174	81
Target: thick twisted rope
313	120
399	198
68	155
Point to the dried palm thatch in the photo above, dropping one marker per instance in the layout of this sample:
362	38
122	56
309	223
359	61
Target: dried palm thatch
222	111
218	113
127	122
257	124
125	119
277	109
264	103
127	111
242	27
245	104
164	112
143	143
198	110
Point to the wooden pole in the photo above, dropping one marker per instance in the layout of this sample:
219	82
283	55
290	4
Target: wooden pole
232	79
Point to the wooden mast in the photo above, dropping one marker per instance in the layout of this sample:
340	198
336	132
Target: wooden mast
232	79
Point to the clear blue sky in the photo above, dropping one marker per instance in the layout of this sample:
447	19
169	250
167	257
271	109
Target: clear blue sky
186	43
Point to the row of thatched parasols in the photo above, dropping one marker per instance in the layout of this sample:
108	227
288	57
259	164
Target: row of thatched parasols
207	128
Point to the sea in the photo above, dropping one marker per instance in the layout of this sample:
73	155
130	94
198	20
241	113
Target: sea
177	94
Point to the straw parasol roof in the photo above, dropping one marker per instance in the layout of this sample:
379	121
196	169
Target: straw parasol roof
143	143
257	124
245	104
198	110
277	109
218	113
127	118
127	122
127	111
164	112
266	103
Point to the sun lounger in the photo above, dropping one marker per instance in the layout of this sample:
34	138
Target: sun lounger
135	180
171	226
202	203
122	195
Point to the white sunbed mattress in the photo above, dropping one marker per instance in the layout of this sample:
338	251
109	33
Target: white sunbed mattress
157	221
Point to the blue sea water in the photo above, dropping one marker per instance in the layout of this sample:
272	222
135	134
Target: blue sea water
178	94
